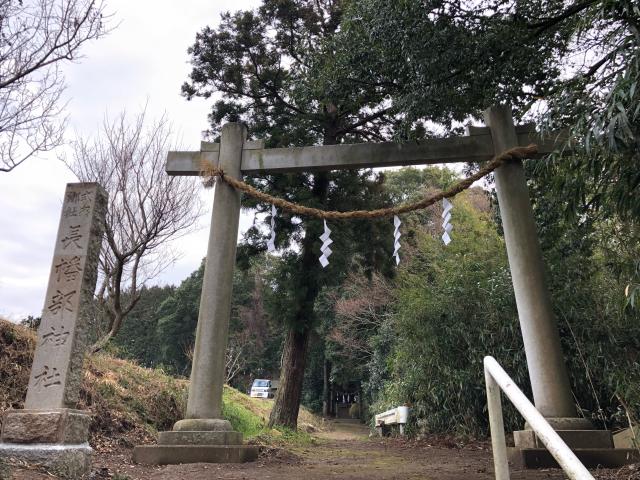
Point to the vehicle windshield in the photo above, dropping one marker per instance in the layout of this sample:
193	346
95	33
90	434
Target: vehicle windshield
261	383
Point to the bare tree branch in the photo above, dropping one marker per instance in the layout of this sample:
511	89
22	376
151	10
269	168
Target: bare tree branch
361	309
235	360
545	23
147	208
36	37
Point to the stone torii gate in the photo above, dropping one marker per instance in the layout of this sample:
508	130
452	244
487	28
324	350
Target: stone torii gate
203	435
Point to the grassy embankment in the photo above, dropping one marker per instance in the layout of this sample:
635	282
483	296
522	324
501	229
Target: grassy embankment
131	403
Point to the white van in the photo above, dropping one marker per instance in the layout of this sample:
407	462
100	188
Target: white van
262	388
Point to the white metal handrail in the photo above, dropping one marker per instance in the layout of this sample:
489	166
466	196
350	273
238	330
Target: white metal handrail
497	379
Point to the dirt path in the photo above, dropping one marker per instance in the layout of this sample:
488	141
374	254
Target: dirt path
346	453
338	430
345	460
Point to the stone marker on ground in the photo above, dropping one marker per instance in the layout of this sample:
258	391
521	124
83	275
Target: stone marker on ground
50	431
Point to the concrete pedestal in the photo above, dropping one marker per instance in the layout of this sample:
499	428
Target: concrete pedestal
53	439
590	457
196	447
176	454
524	439
594	448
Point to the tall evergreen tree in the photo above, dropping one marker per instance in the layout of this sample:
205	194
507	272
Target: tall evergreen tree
268	68
447	61
137	339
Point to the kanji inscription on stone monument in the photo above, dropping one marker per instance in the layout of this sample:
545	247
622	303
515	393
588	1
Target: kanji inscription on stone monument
50	431
57	366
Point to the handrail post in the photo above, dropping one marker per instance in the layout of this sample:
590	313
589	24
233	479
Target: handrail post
496	425
497	379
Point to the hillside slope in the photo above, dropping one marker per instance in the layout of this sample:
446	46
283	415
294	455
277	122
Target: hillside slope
130	403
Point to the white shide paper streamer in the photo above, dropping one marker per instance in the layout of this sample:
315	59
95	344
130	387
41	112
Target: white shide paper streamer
446	215
326	241
271	244
396	238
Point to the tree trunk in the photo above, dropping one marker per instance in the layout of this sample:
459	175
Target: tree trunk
326	389
294	355
287	403
115	322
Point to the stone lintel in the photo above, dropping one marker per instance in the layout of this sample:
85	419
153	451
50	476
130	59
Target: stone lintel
476	147
175	454
190	163
55	426
247	145
368	155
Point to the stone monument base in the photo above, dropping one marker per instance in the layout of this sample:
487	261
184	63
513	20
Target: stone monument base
217	444
65	461
55	439
56	425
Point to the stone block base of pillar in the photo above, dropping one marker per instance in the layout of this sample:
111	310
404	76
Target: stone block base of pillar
54	439
175	454
590	457
594	448
213	442
573	438
567	423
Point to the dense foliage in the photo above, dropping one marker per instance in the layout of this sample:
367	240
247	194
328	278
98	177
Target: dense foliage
138	339
422	338
161	332
569	66
445	61
599	103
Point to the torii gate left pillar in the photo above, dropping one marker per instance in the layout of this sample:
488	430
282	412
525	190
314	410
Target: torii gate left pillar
204	435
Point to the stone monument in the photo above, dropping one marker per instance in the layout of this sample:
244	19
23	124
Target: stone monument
50	431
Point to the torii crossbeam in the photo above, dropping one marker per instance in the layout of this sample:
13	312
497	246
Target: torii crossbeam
476	147
236	156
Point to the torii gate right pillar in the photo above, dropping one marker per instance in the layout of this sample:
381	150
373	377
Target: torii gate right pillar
547	370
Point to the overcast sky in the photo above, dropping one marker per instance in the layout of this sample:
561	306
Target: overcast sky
143	59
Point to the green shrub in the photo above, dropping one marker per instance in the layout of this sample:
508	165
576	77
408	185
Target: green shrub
455	304
242	419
